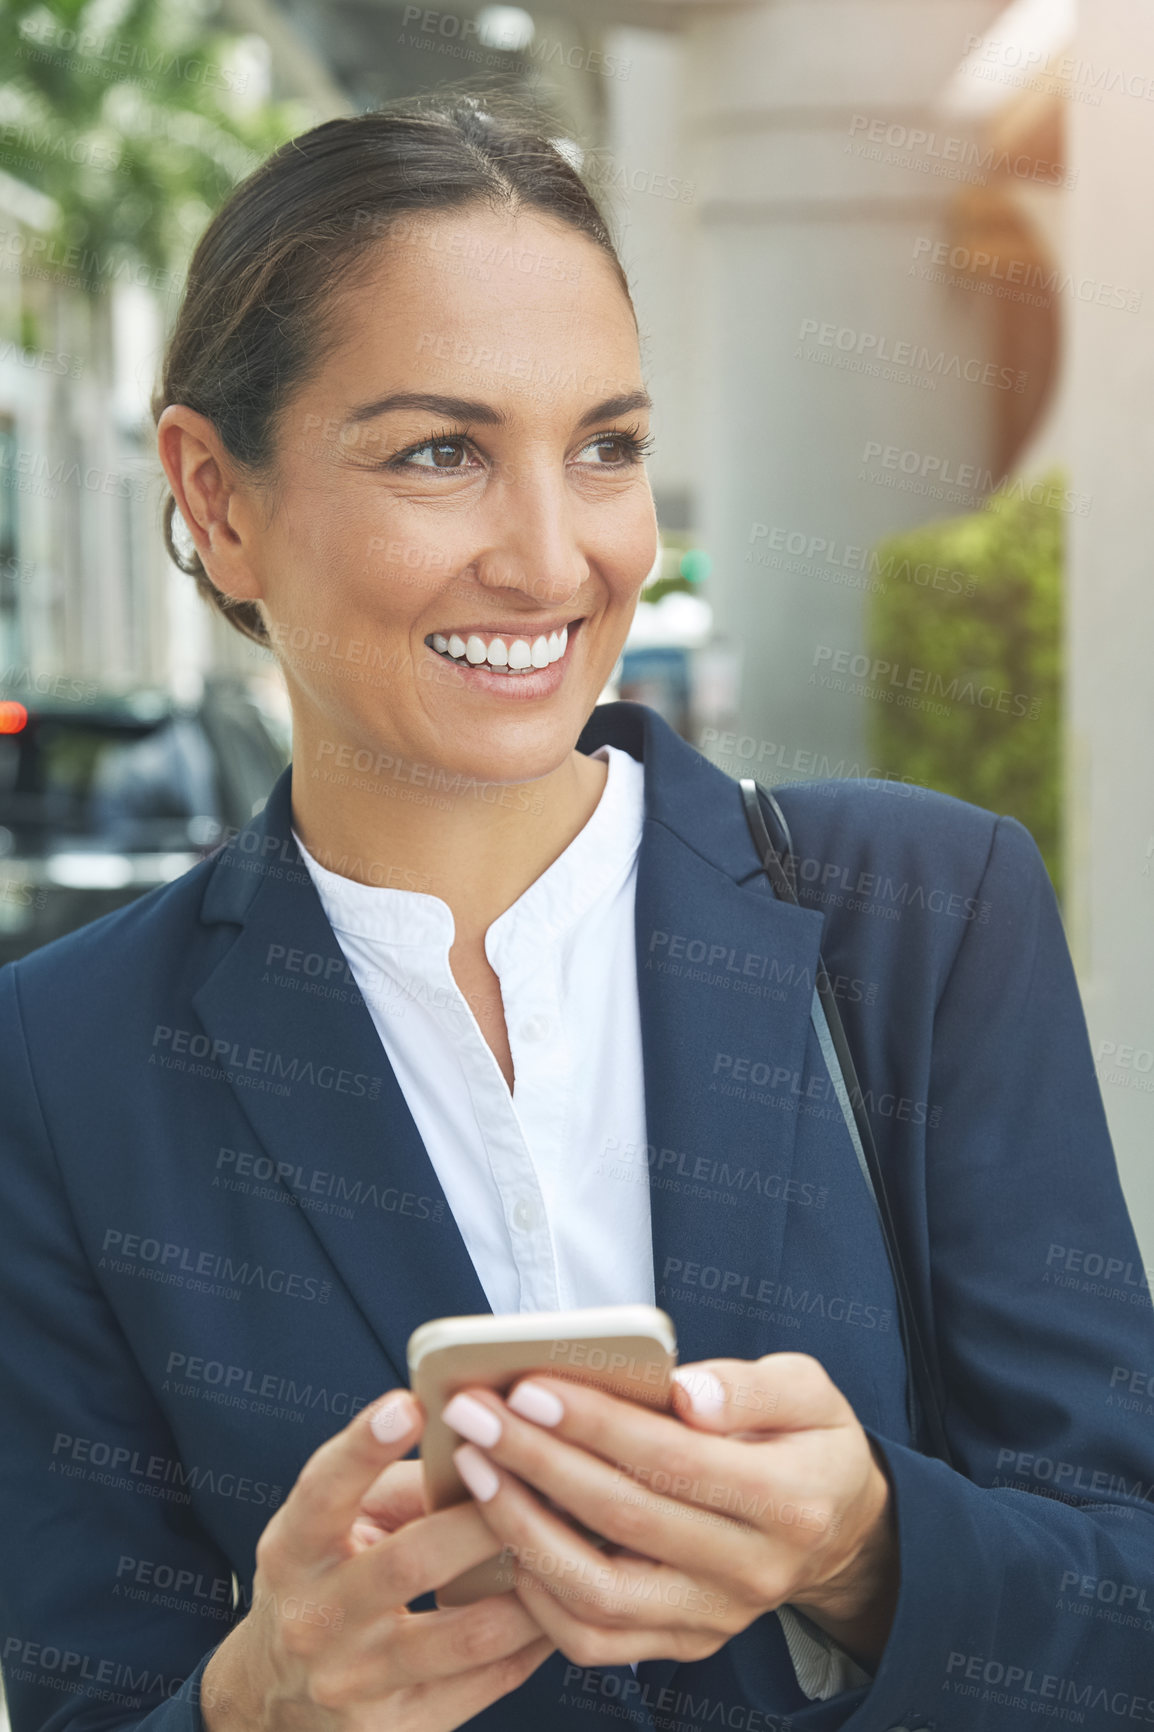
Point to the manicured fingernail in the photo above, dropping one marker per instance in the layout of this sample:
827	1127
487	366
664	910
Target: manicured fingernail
539	1405
705	1391
478	1474
394	1417
473	1420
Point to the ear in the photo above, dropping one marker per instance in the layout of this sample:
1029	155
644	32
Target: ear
212	499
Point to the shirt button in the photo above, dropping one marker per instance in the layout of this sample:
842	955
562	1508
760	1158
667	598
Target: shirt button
536	1028
526	1215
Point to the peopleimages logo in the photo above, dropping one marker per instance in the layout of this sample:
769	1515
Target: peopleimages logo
1076	76
475	39
881	674
943	472
1045	280
869	347
146	1473
950	155
242	1386
141	58
129	1252
670	1707
807	552
232	1063
1018	1686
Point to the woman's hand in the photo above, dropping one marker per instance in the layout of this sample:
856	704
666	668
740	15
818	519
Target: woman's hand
762	1490
328	1644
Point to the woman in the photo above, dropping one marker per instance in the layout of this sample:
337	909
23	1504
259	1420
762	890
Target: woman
493	1007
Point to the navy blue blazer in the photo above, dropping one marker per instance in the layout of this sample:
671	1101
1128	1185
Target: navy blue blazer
219	1226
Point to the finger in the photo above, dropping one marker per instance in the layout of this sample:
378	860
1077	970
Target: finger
803	1425
420	1557
648	1482
313	1524
780	1392
604	1459
697	1541
585	1644
445	1704
788	1405
456	1639
594	1586
396	1496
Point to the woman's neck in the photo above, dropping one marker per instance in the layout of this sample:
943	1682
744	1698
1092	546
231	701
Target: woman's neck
476	845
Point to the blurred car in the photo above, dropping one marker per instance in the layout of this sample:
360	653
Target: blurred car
104	796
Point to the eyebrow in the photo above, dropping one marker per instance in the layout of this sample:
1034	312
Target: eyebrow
466	409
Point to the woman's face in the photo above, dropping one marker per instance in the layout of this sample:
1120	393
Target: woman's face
463	472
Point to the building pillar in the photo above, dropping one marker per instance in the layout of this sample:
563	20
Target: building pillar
818	345
1110	612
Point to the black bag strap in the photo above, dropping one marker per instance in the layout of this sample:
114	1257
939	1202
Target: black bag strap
778	863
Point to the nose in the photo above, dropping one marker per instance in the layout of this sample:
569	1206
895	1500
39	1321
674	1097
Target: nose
535	548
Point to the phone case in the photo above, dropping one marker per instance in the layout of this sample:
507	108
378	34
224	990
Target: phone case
628	1350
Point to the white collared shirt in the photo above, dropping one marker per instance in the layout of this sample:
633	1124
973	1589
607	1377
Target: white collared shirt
549	1184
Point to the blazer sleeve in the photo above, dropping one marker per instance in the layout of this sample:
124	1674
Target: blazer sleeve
80	1428
1027	1574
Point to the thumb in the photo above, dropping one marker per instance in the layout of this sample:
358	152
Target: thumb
748	1398
326	1499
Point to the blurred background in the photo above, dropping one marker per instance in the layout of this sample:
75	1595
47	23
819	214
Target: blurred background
894	269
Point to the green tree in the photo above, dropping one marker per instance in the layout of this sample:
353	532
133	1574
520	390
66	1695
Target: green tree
976	602
136	118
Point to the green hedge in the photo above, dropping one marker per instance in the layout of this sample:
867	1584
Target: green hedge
968	611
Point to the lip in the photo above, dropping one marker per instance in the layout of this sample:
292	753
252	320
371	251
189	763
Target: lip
540	683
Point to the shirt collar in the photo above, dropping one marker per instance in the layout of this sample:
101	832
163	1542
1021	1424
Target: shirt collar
597	859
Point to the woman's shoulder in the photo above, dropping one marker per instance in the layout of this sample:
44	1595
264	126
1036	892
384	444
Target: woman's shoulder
903	874
884	826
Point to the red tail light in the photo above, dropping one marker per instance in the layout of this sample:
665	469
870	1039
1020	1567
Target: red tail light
13	717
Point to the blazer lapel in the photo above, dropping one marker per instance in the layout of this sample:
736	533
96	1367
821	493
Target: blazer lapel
313	1079
725	979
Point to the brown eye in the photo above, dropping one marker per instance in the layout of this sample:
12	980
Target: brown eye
436	454
447	454
615	450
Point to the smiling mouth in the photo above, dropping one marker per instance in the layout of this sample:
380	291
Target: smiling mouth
503	652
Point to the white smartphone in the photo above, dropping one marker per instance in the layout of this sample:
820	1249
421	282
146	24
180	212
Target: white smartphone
628	1350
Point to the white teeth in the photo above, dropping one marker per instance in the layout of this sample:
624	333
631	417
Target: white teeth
518	656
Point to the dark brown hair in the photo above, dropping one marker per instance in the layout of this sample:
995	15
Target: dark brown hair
254	323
